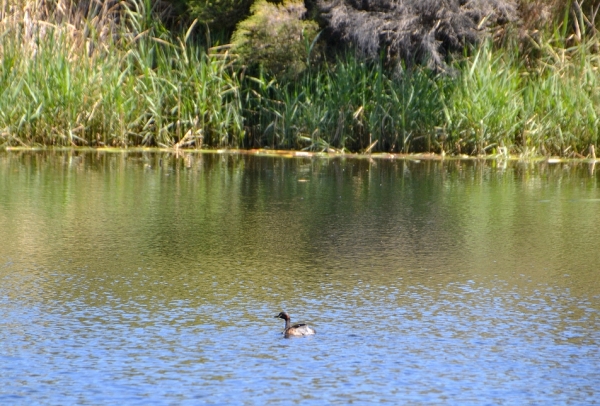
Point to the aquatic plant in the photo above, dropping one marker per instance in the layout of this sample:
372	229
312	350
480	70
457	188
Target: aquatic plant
111	74
540	100
123	82
351	105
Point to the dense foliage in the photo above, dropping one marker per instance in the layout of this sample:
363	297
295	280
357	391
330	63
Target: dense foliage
453	76
220	16
415	30
276	38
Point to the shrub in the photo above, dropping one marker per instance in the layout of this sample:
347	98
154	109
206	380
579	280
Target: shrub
421	31
218	15
276	38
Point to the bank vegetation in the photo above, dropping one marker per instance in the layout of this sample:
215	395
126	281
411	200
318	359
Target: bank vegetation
475	77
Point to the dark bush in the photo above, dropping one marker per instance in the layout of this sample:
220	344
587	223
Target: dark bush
414	31
220	16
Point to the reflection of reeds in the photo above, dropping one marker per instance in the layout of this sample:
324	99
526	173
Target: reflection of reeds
109	74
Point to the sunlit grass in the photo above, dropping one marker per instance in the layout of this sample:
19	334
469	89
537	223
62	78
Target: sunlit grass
116	77
551	107
351	105
138	86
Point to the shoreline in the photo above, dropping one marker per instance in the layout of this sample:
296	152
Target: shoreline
415	157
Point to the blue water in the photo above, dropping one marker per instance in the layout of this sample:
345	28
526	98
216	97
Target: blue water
149	279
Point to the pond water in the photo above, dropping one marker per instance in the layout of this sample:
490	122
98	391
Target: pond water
152	278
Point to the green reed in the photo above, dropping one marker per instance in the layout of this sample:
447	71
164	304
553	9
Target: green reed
548	107
563	100
483	107
102	81
350	105
141	86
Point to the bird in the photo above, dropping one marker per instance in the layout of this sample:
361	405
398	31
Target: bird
297	330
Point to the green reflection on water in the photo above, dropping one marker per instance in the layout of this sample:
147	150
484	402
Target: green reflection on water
239	230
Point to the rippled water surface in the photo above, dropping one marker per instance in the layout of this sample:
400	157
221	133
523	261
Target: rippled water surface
148	278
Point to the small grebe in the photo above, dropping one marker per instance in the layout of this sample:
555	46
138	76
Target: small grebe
296	330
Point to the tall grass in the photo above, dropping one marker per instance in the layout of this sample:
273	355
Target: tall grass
499	102
111	75
484	106
496	102
351	105
136	85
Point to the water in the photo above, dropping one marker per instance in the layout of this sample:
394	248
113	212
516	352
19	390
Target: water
154	279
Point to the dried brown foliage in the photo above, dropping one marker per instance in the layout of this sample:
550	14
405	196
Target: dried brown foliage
89	24
415	31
